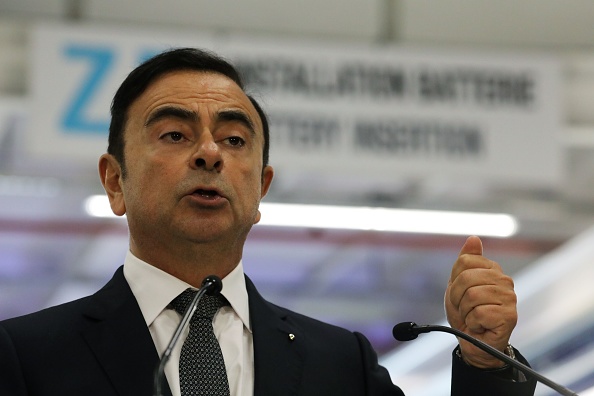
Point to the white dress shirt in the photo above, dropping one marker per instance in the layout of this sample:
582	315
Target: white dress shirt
155	289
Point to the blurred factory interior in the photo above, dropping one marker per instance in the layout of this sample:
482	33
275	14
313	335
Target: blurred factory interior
536	163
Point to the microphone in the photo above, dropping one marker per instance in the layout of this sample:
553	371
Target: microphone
407	331
211	285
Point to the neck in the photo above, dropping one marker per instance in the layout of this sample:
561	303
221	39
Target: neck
190	265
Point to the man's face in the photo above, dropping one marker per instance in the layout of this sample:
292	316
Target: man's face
193	153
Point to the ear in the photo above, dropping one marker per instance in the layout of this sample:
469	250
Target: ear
110	173
267	175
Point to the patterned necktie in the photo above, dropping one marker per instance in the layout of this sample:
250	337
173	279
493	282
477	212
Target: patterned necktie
201	365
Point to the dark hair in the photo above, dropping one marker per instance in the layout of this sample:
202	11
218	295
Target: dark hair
147	72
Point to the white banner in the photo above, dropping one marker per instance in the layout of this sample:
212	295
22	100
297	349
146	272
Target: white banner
381	113
75	73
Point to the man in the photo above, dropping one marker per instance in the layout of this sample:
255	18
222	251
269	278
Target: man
187	163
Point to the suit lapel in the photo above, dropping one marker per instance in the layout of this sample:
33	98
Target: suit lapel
279	348
119	338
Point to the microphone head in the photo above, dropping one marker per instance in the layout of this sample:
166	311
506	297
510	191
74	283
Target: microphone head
405	331
213	285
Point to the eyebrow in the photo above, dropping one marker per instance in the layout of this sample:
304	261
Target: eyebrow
171	112
237	116
190	115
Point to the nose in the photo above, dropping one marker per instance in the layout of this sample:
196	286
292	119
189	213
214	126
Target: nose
207	155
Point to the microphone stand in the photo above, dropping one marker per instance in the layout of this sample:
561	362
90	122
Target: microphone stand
407	331
210	285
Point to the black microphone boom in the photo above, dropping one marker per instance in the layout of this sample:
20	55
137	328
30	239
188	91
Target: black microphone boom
211	285
407	331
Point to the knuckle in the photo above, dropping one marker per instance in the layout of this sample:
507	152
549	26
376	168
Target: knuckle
480	313
465	260
509	280
472	293
464	277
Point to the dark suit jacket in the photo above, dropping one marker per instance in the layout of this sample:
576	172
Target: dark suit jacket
100	345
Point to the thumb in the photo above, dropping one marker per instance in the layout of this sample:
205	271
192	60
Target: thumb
473	245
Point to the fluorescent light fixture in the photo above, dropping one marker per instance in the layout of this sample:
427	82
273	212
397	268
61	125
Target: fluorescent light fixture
388	220
365	218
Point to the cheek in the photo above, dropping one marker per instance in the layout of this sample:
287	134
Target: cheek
255	194
247	188
141	188
252	183
155	171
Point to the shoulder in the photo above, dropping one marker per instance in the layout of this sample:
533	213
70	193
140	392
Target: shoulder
47	321
64	319
336	357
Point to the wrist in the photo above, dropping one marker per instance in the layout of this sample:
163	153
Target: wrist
489	362
506	371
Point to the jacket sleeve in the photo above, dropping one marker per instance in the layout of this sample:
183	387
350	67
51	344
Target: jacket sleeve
377	378
12	382
469	380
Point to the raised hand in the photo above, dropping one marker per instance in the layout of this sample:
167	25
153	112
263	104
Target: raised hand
480	301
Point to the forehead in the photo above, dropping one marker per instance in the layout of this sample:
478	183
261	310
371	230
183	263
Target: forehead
194	90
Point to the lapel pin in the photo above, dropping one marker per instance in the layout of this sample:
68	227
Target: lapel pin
291	336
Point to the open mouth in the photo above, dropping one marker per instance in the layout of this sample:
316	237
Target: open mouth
210	194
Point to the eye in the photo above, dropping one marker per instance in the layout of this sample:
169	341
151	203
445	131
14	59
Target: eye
173	136
236	141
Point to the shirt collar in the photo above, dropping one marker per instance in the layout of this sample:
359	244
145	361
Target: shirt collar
154	289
